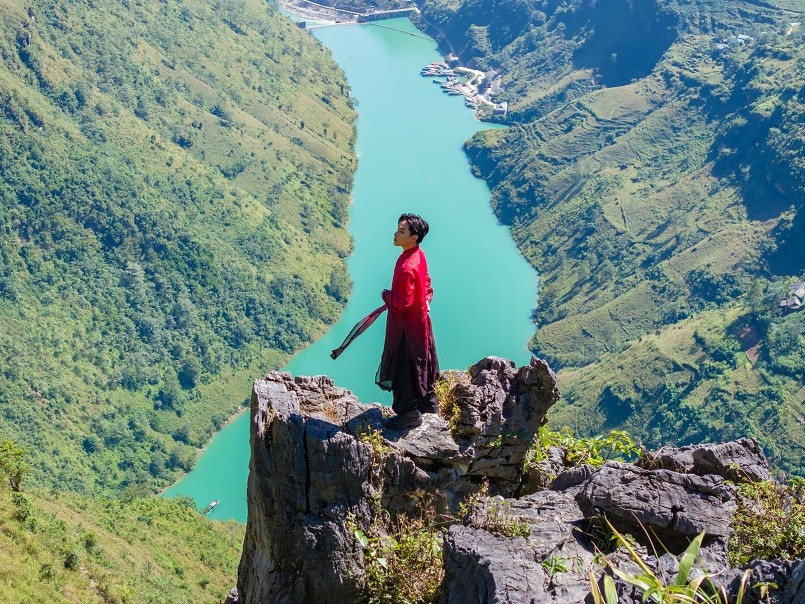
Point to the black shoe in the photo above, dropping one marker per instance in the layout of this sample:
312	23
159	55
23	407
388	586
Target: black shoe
412	419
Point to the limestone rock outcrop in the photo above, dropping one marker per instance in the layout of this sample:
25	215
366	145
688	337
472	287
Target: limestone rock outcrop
671	505
484	566
313	467
738	461
323	467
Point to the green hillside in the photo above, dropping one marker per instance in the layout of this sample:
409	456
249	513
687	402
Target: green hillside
726	372
72	548
649	176
175	182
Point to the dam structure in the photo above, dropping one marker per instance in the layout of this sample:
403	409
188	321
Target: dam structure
342	16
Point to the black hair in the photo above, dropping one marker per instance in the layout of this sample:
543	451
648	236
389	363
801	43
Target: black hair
416	225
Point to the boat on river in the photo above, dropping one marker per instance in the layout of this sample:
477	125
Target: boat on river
438	70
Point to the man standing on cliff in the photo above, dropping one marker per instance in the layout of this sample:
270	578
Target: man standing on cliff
408	366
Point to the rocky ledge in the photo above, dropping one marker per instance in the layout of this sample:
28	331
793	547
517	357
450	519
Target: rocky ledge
322	465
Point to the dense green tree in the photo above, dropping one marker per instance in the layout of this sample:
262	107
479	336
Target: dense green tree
12	463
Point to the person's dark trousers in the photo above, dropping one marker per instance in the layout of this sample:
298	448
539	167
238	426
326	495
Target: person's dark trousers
428	403
403	399
405	402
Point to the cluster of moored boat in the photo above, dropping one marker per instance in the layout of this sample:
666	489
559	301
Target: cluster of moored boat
446	78
438	69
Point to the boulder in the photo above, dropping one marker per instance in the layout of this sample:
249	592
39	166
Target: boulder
675	507
782	573
572	477
549	565
741	460
481	566
794	592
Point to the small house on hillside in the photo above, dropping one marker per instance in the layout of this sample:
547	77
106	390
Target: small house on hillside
501	108
794	300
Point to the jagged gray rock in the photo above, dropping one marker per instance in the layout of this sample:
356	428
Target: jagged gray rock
297	546
794	592
500	407
786	574
323	465
480	566
311	469
548	566
740	460
673	506
572	477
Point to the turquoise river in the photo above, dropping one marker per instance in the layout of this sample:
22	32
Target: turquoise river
409	146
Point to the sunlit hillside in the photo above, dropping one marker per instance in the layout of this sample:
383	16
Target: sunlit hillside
653	170
175	182
72	548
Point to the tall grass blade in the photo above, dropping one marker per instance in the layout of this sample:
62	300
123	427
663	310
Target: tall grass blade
637	581
742	586
610	593
688	558
632	551
595	592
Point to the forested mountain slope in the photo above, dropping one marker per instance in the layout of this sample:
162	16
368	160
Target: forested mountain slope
656	180
175	181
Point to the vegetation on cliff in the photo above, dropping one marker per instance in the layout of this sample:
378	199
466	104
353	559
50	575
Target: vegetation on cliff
172	217
655	180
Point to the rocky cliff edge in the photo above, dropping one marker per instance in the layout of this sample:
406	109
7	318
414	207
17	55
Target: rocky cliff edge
323	469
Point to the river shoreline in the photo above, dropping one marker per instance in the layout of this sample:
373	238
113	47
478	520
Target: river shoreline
325	16
331	15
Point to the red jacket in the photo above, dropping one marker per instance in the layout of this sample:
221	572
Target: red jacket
411	293
408	302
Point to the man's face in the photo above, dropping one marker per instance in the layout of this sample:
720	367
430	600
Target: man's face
403	237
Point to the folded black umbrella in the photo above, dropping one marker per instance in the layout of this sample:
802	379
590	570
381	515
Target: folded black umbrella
359	328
